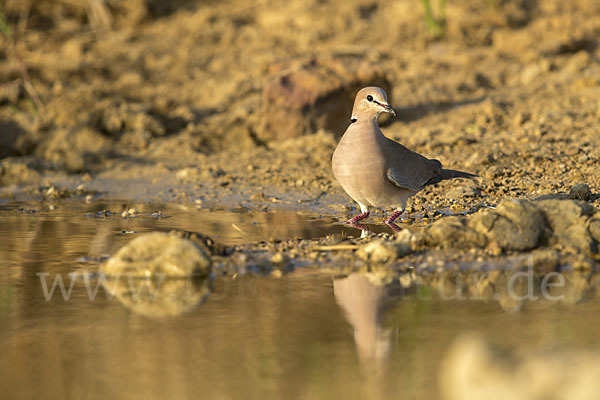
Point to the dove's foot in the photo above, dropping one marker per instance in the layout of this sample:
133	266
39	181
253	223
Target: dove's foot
354	220
393	217
393	226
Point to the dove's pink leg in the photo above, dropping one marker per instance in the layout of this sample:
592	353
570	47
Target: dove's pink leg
393	217
357	218
390	221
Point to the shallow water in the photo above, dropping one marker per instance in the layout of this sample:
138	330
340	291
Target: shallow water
305	335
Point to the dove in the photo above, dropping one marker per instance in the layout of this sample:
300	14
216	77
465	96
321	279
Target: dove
379	172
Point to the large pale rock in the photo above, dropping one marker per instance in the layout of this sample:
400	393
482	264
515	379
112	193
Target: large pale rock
514	225
569	223
158	254
303	96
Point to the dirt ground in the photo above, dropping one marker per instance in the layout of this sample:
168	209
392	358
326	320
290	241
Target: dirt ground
146	101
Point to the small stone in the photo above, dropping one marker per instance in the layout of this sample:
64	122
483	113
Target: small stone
494	248
404	240
594	229
381	251
187	174
276	273
279	259
458	192
581	191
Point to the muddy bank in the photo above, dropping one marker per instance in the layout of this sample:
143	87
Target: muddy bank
510	92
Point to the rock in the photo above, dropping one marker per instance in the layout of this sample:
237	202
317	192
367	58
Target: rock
516	225
17	170
580	191
472	369
382	251
9	137
545	260
405	242
189	174
303	96
74	149
458	192
205	242
594	229
568	220
130	117
519	225
158	254
453	233
539	260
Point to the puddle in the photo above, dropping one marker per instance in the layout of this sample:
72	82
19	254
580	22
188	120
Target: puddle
305	335
226	227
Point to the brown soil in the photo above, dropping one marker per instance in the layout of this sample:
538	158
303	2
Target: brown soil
152	102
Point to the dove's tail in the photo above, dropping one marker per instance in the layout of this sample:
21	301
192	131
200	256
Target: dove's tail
451	174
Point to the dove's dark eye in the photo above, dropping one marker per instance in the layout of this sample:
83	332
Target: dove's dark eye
369	98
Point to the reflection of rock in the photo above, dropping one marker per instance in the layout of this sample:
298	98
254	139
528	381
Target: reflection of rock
473	370
303	96
519	225
158	254
157	297
515	290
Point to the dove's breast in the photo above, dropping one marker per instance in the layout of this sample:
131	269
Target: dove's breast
359	166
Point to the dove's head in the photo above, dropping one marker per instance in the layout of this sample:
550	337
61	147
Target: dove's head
369	103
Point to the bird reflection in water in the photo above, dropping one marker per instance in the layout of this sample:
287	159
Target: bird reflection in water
363	300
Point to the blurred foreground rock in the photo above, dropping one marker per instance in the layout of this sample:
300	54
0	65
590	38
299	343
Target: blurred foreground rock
303	96
473	370
158	254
